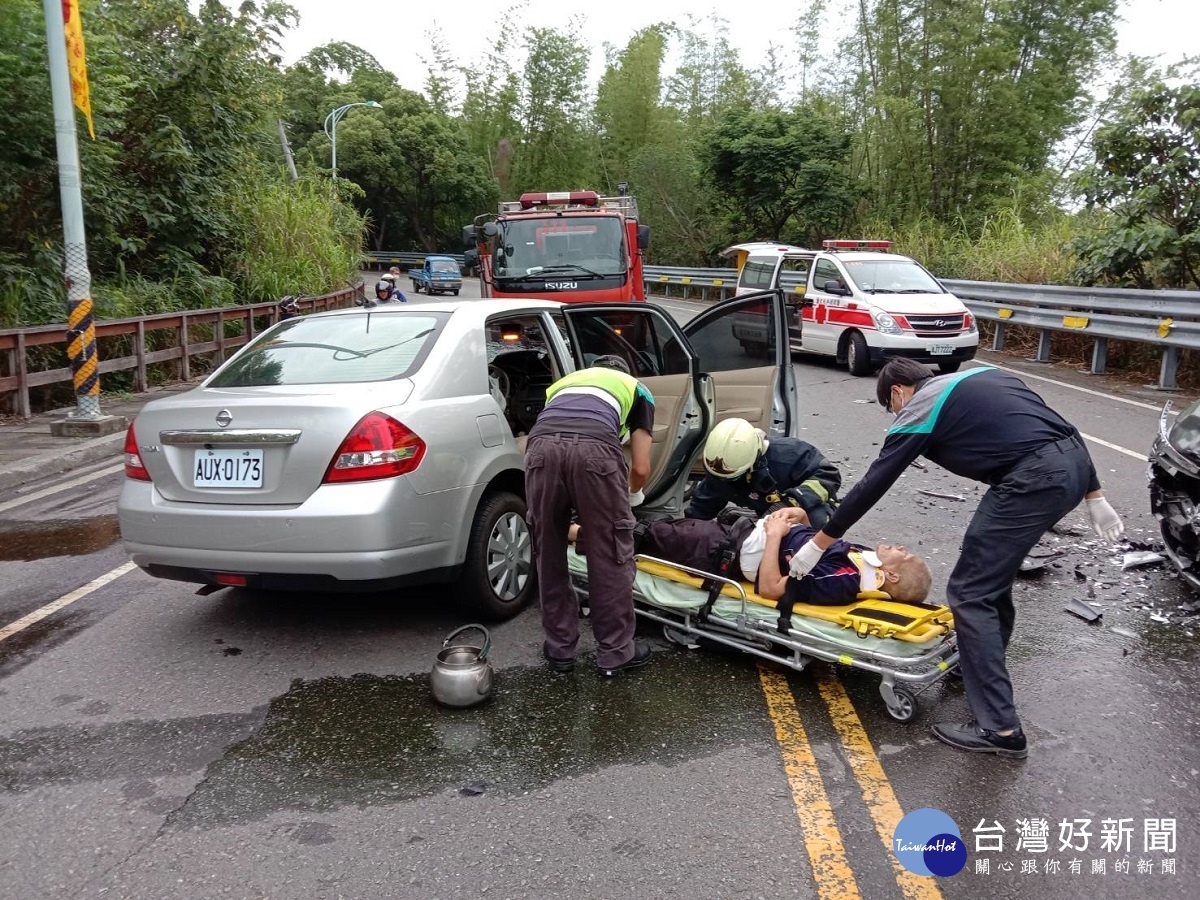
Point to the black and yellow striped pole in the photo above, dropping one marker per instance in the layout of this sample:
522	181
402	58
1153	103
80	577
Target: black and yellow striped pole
68	88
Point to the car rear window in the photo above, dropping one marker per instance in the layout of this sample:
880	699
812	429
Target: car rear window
370	346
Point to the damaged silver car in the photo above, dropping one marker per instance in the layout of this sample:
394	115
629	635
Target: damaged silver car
1175	488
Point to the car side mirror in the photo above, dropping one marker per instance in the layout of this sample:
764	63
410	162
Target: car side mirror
833	286
490	229
469	236
471	258
643	237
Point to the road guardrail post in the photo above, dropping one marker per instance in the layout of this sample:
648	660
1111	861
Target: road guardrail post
1099	356
1166	373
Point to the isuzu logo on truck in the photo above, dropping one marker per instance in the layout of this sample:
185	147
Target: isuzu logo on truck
561	285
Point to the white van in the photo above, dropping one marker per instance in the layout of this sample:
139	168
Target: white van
857	302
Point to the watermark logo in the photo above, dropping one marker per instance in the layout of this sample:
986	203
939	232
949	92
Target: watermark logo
928	842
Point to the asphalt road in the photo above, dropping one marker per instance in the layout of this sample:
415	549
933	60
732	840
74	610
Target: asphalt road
155	743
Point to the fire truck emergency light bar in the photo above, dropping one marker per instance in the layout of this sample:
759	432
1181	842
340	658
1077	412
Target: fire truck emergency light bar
548	198
856	245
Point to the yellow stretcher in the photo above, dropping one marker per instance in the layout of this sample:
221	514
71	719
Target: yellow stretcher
909	645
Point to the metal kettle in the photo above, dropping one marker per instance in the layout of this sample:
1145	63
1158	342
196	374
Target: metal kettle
462	675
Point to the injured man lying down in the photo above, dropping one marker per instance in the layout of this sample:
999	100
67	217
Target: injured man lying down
763	554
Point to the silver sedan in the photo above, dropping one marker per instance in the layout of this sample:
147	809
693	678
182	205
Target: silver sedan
371	449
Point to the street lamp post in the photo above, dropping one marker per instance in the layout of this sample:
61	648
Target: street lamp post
331	121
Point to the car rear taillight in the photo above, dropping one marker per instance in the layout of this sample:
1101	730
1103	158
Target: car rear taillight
377	447
134	468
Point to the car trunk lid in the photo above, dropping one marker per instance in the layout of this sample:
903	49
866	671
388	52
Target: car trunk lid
253	445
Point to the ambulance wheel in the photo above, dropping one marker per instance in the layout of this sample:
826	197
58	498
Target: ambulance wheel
906	707
947	368
858	354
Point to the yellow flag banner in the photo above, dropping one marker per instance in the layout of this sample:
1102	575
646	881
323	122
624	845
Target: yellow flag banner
76	61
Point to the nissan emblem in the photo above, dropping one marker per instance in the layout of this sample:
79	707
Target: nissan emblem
224	417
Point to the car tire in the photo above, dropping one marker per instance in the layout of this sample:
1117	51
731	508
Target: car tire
498	577
456	293
858	355
949	368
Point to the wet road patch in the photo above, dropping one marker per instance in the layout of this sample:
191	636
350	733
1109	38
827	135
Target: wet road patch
372	740
68	537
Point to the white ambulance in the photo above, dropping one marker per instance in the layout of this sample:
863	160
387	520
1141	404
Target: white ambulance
857	302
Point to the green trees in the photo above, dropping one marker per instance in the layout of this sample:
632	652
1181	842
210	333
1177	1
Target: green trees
781	175
1146	177
961	99
185	161
935	123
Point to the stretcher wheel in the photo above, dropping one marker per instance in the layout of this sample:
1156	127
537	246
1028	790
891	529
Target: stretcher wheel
906	706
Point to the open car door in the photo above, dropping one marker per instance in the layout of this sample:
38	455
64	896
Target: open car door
743	346
660	357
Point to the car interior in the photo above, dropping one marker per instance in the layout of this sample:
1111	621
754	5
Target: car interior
522	366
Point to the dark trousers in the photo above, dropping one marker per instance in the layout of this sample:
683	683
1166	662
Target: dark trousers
1013	515
565	472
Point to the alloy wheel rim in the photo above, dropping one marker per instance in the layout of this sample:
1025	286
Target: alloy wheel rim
509	556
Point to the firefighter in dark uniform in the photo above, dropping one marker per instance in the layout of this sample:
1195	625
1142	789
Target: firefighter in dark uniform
574	462
746	469
987	425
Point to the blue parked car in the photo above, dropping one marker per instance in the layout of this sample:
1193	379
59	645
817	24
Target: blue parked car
439	275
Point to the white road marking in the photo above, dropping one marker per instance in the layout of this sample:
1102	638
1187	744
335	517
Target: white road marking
65	600
1103	443
1023	374
74	482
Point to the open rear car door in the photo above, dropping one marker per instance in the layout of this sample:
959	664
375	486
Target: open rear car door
743	346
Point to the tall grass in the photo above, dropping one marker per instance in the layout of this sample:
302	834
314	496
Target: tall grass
1002	248
295	238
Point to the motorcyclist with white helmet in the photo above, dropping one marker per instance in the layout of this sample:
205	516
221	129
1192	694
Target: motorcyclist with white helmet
395	293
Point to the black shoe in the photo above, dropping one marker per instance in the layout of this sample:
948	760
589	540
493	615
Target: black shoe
562	666
641	656
973	739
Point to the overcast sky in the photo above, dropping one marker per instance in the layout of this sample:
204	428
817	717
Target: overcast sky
395	32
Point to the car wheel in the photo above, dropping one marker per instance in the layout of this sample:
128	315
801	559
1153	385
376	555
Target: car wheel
456	293
858	355
947	368
498	578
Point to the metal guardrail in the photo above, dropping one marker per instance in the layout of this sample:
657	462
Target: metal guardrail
194	331
407	260
1166	319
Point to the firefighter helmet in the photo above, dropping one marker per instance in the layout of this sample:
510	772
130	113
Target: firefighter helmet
733	448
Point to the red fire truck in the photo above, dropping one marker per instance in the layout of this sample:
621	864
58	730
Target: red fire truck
571	246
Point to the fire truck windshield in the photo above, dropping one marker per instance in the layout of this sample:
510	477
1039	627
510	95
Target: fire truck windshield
592	246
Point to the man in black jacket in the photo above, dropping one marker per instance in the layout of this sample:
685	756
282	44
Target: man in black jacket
747	470
986	425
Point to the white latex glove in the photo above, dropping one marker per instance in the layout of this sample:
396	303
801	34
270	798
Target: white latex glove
1105	521
636	498
805	559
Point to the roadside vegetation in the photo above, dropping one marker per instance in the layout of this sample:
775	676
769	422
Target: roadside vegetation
991	141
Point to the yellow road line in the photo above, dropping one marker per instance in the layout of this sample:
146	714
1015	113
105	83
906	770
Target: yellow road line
65	600
822	840
877	791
